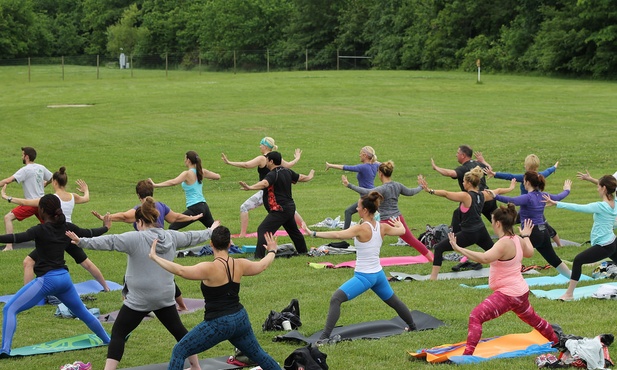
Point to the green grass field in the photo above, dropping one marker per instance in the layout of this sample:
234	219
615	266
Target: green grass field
141	127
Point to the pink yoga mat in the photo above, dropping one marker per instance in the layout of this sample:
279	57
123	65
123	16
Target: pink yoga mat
386	261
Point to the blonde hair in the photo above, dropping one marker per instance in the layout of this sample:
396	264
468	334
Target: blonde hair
474	176
370	153
532	163
269	142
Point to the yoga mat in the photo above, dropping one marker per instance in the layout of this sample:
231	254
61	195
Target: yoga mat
507	346
385	261
540	281
567	243
369	330
277	233
24	245
469	274
579	292
191	303
60	345
86	287
216	363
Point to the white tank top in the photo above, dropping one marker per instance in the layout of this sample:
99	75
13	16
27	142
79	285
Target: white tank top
67	207
367	253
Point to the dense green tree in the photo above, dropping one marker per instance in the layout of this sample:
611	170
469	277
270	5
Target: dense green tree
98	15
124	36
17	20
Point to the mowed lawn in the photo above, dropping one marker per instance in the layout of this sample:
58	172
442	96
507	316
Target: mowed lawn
141	126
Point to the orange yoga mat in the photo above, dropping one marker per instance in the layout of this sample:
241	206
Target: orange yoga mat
487	348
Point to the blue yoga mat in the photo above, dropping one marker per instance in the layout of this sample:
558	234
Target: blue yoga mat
87	287
539	281
579	292
534	349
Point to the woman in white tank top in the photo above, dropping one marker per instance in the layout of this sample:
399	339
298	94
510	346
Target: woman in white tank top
368	274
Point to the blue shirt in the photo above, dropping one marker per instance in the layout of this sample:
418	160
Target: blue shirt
194	193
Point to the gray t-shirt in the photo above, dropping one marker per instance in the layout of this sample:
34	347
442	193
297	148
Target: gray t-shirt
150	286
390	192
32	178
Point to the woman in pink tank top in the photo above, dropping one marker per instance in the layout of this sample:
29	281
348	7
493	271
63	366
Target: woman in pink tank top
510	291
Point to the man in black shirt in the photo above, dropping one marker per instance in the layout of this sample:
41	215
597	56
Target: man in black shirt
279	203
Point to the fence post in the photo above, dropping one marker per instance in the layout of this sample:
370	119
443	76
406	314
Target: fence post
166	64
28	69
267	60
306	59
97	66
131	66
234	62
337	59
62	59
200	63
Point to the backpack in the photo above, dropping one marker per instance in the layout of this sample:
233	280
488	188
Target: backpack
291	313
434	235
286	250
306	358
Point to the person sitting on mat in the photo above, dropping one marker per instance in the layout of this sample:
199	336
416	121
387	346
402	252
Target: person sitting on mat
225	318
150	289
471	202
510	291
52	274
603	239
368	273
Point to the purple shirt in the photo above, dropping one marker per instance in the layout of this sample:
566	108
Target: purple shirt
163	211
532	205
366	173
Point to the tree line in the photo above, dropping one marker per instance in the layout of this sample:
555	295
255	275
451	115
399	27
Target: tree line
565	37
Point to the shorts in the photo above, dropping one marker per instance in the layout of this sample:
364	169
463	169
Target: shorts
23	212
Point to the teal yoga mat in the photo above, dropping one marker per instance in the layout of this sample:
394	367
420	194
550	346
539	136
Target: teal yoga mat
540	281
77	342
579	292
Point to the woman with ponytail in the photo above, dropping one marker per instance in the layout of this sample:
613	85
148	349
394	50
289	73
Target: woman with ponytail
266	145
532	208
510	291
52	275
150	288
368	274
471	202
603	240
191	181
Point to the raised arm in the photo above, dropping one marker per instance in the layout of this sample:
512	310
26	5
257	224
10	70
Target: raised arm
83	188
19	201
493	254
480	158
297	155
172	217
172	182
257	186
306	178
210	175
526	242
490	194
457	196
335	166
255	162
587	177
348	233
7	181
443	171
127	216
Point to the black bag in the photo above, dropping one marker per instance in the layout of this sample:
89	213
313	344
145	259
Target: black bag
286	250
291	313
434	235
306	358
342	244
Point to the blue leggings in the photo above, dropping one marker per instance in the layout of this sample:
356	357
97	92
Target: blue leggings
235	327
57	283
361	282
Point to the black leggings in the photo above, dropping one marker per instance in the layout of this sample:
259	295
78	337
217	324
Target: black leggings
541	239
207	220
273	221
463	239
592	254
128	319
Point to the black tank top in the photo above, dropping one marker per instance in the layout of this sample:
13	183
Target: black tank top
262	171
221	300
472	219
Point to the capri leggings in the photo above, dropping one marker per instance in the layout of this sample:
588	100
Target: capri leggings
592	254
541	239
235	327
464	239
128	319
496	305
410	239
253	202
207	220
57	283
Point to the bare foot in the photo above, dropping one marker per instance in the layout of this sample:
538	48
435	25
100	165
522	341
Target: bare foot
182	308
566	298
8	247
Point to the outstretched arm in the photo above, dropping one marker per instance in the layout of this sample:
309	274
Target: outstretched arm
297	155
6	181
210	175
480	158
443	171
335	166
19	201
257	186
172	182
257	161
128	216
306	178
83	188
172	217
587	177
458	196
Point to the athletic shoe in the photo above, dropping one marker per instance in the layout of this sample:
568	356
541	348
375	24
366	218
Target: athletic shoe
77	365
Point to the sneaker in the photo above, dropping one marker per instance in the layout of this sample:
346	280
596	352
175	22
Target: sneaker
77	365
328	341
400	243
